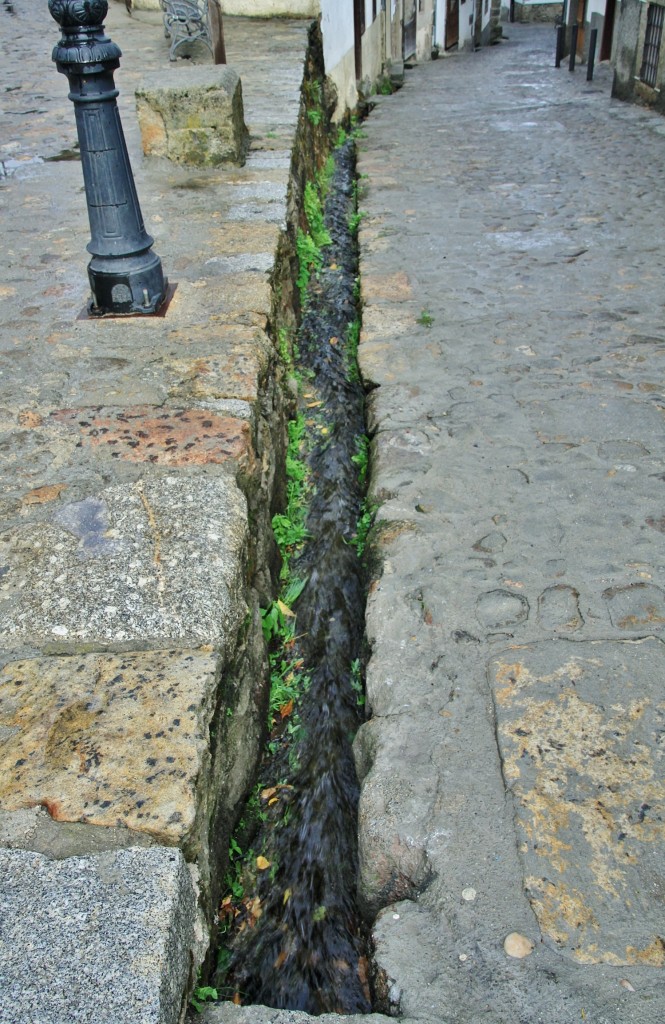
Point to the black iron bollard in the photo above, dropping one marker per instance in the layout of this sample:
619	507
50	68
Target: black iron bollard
125	276
560	43
573	48
592	54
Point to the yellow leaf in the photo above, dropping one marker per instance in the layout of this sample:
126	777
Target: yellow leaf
284	609
40	495
287	896
262	863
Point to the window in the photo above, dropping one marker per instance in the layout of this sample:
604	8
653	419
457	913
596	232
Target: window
651	52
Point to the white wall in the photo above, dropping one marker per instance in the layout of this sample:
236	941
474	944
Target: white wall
271	8
337	29
439	34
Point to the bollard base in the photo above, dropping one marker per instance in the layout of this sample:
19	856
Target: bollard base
91	312
126	286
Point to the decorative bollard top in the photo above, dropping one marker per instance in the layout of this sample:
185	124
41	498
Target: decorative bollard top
70	13
83	40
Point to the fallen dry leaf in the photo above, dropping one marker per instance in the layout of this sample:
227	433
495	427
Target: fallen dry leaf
41	495
286	709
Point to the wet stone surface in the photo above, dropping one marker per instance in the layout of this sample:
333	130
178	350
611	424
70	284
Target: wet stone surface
579	728
512	336
132	455
113	741
133	545
125	920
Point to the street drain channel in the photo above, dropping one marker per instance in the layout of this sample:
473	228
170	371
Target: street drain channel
292	936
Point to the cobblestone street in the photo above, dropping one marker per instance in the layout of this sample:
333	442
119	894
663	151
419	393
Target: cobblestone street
512	268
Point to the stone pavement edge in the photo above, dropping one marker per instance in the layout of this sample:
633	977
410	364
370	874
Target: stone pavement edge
139	466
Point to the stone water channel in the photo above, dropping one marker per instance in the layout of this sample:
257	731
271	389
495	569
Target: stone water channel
291	930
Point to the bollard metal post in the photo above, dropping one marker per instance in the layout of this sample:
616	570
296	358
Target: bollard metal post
573	48
592	54
560	39
126	277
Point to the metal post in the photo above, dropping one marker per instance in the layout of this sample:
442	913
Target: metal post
592	54
560	42
573	48
125	275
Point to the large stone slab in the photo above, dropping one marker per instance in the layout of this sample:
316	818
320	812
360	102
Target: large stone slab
111	740
580	728
160	561
193	116
228	1013
95	940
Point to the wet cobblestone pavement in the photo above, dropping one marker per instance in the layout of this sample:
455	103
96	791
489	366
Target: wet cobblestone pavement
512	266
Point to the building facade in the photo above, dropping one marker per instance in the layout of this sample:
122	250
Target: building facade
639	63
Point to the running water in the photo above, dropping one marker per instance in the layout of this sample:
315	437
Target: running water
298	944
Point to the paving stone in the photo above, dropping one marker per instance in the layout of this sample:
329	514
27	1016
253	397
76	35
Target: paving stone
559	608
578	728
227	1013
120	925
111	740
638	606
182	437
161	562
193	117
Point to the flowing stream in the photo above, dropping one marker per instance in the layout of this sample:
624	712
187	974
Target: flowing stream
295	940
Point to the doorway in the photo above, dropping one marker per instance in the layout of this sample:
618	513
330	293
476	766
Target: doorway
452	23
358	30
608	30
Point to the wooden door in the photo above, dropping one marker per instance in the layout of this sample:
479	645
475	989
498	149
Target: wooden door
608	31
452	23
581	20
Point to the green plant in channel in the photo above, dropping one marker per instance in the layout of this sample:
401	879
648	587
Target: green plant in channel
202	995
425	319
310	243
357	682
365	522
361	459
314	213
289	526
